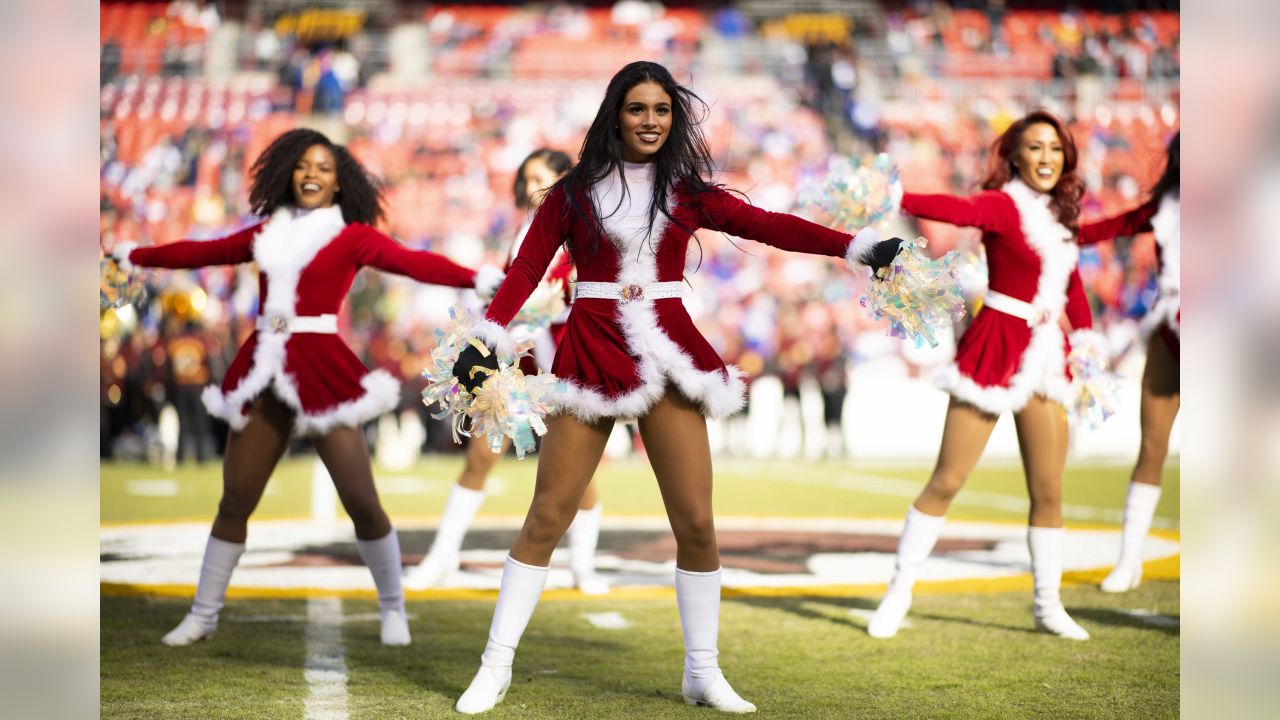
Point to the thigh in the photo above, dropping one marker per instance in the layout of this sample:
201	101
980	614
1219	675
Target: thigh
675	438
1042	440
345	455
1161	385
569	455
253	451
964	436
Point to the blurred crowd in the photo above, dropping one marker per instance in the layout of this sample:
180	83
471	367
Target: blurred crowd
175	151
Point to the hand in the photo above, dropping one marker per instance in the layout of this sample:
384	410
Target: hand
881	255
468	360
488	280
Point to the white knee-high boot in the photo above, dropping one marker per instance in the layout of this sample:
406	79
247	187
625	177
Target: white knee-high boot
584	536
442	559
220	560
698	597
1139	509
383	558
1045	545
919	535
517	597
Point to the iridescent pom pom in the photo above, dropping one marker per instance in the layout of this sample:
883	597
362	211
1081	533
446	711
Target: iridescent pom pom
508	404
918	295
855	192
1095	391
118	287
545	304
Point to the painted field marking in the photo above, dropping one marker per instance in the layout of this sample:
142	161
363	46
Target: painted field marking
607	620
1153	618
164	487
326	666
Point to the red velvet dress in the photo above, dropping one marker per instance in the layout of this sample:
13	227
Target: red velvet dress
546	342
1161	217
1002	360
306	265
616	358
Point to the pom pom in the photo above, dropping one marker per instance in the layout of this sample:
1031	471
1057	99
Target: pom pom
507	404
855	192
1094	389
118	286
545	304
918	295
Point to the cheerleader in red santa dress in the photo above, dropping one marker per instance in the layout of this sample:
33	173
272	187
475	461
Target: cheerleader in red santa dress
1161	384
539	171
630	350
1011	358
295	374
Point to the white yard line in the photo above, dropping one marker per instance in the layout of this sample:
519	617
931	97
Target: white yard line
607	620
1152	618
326	667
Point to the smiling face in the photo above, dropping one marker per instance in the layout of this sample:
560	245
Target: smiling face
1039	158
315	178
644	122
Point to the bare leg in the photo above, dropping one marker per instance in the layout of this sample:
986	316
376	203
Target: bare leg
571	451
1161	398
1042	438
479	463
964	437
252	454
251	457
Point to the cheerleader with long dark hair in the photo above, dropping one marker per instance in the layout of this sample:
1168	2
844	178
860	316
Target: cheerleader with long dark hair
294	375
627	211
1011	358
1161	383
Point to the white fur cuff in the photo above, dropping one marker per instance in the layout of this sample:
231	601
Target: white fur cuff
120	253
862	243
496	337
488	280
1090	341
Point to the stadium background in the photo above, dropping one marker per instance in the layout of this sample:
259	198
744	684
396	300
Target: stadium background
442	101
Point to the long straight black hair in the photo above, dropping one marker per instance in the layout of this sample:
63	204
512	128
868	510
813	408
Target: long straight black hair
684	159
1170	179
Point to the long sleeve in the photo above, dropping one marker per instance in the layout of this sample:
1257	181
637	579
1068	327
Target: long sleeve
1079	314
986	210
377	250
230	250
721	210
545	236
1127	223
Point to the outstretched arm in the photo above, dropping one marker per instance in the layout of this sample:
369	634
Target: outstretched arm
1125	224
986	210
377	250
230	250
723	211
1079	314
546	235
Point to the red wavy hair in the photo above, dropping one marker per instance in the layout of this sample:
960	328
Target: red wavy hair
1070	188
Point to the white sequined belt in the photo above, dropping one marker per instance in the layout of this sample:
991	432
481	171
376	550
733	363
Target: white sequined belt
625	293
303	324
1018	308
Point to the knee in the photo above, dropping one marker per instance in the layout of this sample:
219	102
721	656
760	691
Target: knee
235	508
547	521
1046	493
1154	447
946	485
696	533
365	513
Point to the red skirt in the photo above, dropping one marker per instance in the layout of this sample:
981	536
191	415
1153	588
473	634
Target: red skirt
1001	362
315	374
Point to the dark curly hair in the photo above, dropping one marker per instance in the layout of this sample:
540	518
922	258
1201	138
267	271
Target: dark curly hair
558	161
359	195
1070	188
684	159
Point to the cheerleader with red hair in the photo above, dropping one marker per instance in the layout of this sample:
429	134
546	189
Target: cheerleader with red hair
1011	358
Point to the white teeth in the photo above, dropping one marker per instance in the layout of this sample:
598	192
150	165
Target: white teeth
311	187
1045	172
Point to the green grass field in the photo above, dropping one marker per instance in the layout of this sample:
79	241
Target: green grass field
797	656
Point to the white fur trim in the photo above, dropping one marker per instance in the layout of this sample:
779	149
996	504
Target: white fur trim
488	279
864	241
1167	224
1090	340
495	336
719	393
284	248
1042	368
120	253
